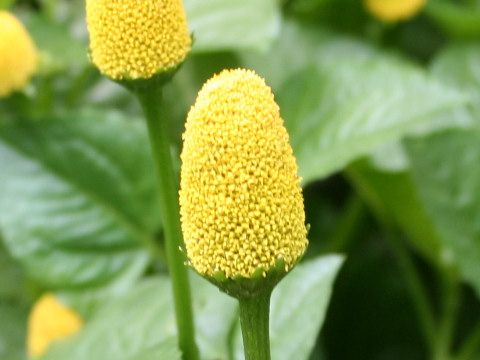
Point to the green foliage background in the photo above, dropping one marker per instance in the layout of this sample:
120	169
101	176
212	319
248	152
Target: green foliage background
384	121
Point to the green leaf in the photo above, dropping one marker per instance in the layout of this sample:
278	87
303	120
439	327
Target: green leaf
345	111
11	276
167	349
446	172
5	4
58	48
13	320
312	46
393	198
297	309
456	19
215	312
78	199
133	325
232	24
457	66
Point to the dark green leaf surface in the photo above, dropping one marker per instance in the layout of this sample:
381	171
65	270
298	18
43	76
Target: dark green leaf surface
456	19
393	198
232	24
447	174
297	309
13	323
144	318
339	113
77	199
11	276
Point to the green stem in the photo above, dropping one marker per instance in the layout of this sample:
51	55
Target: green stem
420	299
471	345
158	131
352	219
450	303
254	318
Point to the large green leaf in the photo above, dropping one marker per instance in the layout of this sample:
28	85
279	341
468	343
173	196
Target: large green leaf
447	176
297	309
167	349
77	199
232	24
338	113
311	44
393	198
59	49
456	19
138	321
457	66
11	276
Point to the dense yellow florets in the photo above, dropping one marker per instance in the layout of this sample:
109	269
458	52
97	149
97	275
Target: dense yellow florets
49	321
137	38
394	10
240	198
18	56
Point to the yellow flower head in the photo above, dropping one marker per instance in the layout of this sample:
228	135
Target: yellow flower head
18	56
49	321
240	198
137	38
394	10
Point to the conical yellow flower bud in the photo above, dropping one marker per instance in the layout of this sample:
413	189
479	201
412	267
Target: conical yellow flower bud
18	56
135	39
394	10
49	321
241	203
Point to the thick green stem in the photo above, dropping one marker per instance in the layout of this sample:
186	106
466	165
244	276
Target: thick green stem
349	225
471	345
254	318
450	303
420	299
158	129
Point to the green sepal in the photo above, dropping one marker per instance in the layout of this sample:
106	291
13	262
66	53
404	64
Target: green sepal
161	78
260	282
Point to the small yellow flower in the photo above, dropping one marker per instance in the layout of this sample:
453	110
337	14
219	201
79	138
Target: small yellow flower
137	38
18	56
241	203
49	320
394	10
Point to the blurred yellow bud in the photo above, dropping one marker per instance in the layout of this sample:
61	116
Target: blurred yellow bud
49	320
241	203
394	10
18	56
131	39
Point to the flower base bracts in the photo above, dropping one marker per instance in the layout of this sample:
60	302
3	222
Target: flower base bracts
260	282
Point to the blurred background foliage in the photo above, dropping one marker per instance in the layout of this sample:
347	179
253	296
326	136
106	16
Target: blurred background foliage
384	121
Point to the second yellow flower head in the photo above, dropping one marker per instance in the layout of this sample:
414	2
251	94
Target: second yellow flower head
18	55
49	321
137	38
240	198
394	10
